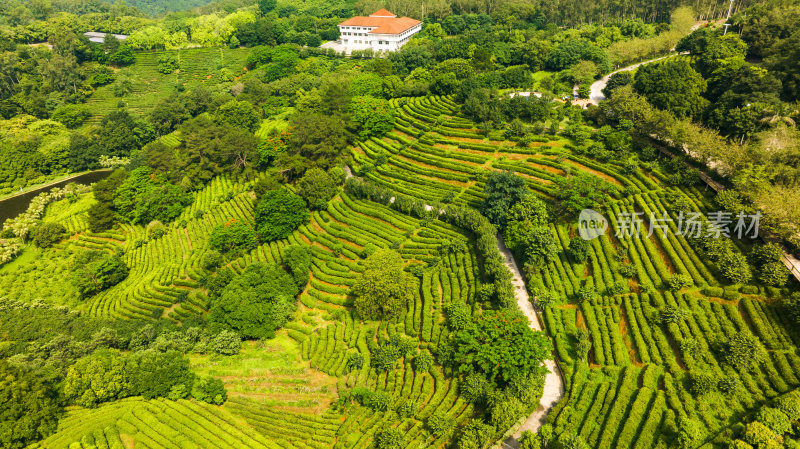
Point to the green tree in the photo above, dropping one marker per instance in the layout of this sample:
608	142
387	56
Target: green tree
209	389
232	238
298	262
145	196
389	438
239	114
673	85
578	249
278	213
94	271
743	351
768	262
503	190
781	60
156	374
315	137
101	377
317	188
256	303
476	434
30	408
530	212
383	289
570	52
71	115
226	343
265	6
540	246
122	57
617	80
46	234
500	345
372	117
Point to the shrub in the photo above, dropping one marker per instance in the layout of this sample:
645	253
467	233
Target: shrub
744	351
775	419
209	389
232	238
679	281
389	438
715	292
439	424
46	234
226	343
701	383
156	229
730	295
578	249
211	260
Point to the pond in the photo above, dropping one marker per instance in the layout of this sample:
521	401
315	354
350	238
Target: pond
15	205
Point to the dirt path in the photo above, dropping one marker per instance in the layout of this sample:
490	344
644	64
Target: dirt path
553	385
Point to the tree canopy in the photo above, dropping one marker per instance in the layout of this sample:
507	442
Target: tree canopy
256	303
383	289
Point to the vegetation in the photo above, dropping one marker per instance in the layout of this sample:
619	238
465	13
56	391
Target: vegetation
292	248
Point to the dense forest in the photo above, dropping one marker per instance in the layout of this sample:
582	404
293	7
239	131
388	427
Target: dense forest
159	7
291	246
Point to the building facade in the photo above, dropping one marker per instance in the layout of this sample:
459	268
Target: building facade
381	31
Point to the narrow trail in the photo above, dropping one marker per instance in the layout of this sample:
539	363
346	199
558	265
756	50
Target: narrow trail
553	384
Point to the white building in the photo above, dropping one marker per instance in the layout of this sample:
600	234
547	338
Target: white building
381	31
99	38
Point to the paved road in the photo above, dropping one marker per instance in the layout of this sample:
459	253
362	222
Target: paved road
596	95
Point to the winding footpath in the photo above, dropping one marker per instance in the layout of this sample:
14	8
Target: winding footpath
553	384
553	388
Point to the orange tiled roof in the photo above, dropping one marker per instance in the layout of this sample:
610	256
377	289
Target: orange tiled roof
382	13
383	22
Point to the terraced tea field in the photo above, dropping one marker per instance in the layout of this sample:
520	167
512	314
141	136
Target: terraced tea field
635	388
198	66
